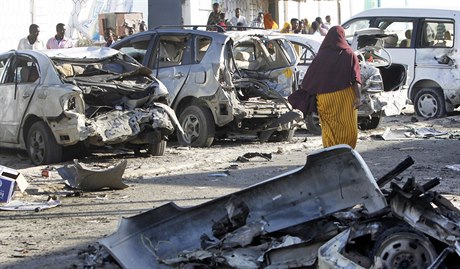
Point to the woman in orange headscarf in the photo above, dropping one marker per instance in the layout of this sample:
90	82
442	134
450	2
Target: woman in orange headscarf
269	23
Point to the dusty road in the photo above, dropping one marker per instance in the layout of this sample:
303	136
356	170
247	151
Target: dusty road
59	237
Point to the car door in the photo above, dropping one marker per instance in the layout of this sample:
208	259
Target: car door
171	61
19	79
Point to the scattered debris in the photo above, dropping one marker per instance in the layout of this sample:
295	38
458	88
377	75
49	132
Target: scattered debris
331	212
31	206
9	179
223	174
245	158
455	167
82	177
407	133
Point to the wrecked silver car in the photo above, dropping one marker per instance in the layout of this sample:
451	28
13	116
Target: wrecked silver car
222	85
99	96
384	89
331	213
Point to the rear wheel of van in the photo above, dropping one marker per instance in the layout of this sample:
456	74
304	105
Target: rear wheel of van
198	125
42	146
430	103
313	125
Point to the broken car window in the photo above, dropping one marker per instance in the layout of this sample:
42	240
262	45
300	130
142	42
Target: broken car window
400	31
438	34
173	51
202	45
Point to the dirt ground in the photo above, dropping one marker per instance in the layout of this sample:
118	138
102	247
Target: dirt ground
60	237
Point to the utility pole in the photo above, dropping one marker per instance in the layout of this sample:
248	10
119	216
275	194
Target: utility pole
339	12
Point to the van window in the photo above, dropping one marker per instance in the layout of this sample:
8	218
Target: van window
437	34
356	25
401	32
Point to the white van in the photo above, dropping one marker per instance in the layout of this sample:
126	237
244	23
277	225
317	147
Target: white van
426	41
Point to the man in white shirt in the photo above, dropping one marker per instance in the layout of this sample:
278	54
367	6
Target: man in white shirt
31	42
59	41
239	20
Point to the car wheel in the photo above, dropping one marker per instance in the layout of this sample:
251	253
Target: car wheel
313	125
429	103
282	136
400	247
198	125
157	149
366	123
42	146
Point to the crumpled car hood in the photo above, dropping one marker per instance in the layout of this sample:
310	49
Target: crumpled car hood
331	180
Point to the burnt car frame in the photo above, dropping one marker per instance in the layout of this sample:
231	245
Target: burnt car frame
98	96
383	89
331	213
222	85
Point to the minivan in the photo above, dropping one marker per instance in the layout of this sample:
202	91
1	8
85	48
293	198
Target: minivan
426	41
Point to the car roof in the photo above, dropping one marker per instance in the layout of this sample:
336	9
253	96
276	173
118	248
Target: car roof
407	12
312	40
81	53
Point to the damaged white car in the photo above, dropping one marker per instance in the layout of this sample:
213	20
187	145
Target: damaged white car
57	98
383	89
222	85
331	213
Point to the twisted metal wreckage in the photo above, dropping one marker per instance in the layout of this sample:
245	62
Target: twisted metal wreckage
331	213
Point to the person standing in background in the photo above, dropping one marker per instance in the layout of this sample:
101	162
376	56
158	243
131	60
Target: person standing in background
59	41
214	16
333	77
321	28
269	23
31	42
328	24
259	21
238	18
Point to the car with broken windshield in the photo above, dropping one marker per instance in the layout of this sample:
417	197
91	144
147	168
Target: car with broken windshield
222	85
54	99
383	88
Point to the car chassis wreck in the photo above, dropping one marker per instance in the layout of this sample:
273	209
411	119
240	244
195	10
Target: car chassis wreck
331	213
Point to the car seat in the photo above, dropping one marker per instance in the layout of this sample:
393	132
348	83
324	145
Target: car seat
405	43
29	74
243	62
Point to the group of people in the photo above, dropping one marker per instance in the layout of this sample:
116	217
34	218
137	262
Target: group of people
217	17
317	27
58	41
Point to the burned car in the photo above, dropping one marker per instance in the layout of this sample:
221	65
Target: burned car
330	213
98	96
222	85
383	89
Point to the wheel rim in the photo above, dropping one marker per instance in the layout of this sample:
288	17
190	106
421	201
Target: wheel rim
191	126
427	106
37	147
406	250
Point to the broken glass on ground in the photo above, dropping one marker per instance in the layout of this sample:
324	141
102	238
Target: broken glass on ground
17	205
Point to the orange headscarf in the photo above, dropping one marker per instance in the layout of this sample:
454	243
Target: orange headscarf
269	23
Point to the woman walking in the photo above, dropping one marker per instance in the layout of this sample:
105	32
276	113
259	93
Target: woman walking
333	77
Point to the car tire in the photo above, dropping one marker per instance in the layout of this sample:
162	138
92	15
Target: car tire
403	246
312	122
42	146
282	136
198	125
430	103
157	149
365	123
